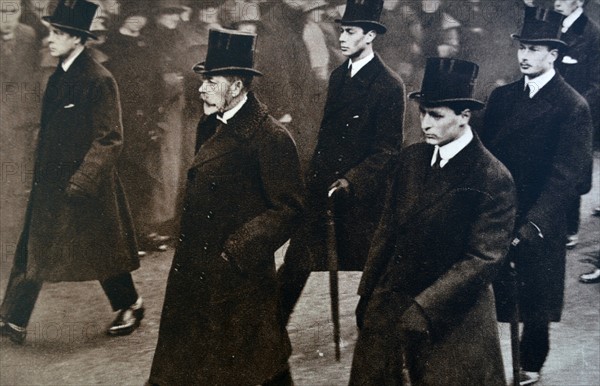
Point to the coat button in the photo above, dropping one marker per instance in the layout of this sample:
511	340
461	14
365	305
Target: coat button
397	259
213	186
337	173
340	158
210	214
202	275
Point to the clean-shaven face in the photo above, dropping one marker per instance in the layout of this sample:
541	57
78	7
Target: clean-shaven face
10	12
354	41
60	43
567	7
441	125
535	59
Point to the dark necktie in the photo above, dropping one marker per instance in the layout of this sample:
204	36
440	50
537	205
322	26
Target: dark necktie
349	73
437	164
526	91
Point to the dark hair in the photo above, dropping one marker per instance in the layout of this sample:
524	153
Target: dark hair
82	36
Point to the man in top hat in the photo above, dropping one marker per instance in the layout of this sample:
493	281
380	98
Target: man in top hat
360	135
77	224
220	323
426	312
540	128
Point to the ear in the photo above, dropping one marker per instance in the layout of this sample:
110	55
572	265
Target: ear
236	88
465	116
554	53
370	36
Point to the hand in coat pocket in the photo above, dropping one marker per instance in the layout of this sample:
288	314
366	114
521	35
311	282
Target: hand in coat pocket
76	193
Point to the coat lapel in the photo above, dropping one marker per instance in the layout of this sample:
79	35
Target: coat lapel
429	188
228	137
342	93
525	114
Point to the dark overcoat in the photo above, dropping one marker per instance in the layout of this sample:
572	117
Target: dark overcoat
580	66
360	136
441	239
91	238
220	323
545	142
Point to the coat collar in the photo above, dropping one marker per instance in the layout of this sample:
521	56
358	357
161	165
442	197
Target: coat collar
525	115
240	128
432	185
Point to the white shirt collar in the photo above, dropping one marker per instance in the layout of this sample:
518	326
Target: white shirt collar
227	115
569	20
450	150
356	66
66	64
536	84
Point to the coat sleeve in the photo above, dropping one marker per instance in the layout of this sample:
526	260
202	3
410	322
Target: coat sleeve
388	125
282	184
571	162
487	245
105	118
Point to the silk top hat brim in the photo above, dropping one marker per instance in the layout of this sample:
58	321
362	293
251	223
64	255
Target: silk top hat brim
378	27
538	41
68	28
469	103
200	69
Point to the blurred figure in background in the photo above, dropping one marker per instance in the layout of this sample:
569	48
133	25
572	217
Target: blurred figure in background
134	64
33	11
169	47
19	116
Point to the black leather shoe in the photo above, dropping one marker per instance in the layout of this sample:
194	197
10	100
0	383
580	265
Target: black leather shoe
592	277
13	332
128	320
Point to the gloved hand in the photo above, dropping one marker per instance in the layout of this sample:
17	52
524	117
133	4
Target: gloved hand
76	192
340	187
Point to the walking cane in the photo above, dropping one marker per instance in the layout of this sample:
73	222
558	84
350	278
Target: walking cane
514	317
332	266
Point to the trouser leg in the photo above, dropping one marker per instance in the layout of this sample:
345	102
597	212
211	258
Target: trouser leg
292	277
535	345
19	300
120	291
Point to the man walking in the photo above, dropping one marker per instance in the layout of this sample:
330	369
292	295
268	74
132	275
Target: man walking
540	128
360	135
220	323
77	225
426	313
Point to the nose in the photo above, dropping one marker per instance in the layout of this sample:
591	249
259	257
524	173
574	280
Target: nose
342	37
425	122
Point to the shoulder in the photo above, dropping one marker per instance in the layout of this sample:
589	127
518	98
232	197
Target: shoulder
567	95
495	177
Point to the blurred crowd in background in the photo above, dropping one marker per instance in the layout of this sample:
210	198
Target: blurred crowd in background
150	46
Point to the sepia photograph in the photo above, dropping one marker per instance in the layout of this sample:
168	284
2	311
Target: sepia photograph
300	192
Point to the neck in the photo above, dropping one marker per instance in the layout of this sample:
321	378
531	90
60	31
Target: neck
76	51
234	102
363	54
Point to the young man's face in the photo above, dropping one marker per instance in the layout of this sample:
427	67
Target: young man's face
169	20
535	59
60	43
441	125
217	92
354	40
567	7
135	23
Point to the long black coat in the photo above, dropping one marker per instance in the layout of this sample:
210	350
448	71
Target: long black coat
220	323
79	142
361	134
545	142
440	242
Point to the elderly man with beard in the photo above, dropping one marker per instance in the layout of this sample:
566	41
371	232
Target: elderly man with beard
220	323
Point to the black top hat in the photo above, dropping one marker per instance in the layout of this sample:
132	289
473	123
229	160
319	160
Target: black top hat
228	52
168	6
73	15
448	81
541	26
364	12
133	8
